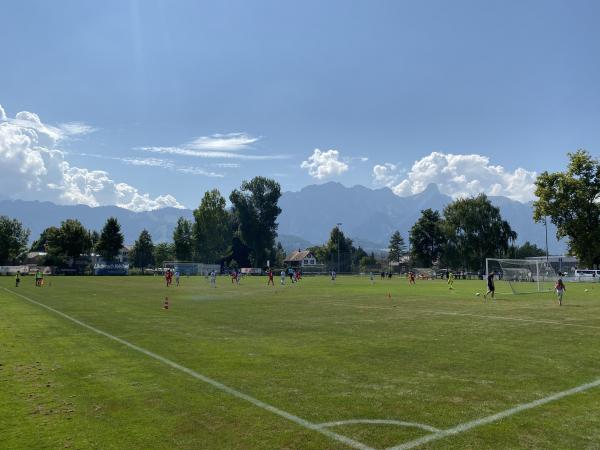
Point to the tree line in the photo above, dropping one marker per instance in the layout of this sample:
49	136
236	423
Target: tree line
466	232
241	235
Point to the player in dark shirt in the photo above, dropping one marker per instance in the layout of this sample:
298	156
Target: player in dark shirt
491	287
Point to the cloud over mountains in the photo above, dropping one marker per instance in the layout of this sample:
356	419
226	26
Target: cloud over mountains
458	176
34	167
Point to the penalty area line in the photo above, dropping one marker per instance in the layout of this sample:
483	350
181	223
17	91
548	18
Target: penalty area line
461	428
216	384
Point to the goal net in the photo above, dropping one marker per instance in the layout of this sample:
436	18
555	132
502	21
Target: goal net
423	273
190	268
522	276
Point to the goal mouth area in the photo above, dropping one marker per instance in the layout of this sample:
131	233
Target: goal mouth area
523	276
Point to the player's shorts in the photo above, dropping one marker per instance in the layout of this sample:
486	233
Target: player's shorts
491	288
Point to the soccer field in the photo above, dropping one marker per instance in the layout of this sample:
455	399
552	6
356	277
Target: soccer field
95	362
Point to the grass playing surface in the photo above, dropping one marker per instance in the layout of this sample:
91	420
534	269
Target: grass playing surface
338	354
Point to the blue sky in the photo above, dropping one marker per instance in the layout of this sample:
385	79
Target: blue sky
176	97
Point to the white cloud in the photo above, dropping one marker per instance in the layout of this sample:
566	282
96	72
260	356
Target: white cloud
324	164
185	151
463	175
385	174
230	141
33	167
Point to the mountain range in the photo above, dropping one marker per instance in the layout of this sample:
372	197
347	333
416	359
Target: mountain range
369	216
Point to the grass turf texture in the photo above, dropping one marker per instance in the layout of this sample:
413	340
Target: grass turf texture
322	351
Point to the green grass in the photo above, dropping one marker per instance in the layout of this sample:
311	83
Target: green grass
321	351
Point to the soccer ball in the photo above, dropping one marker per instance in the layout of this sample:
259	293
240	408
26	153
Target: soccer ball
585	290
478	294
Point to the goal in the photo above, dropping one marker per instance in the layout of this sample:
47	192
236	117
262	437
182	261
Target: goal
190	268
523	275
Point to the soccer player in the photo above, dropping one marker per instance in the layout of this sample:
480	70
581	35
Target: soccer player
411	278
371	277
450	280
282	274
333	275
177	278
38	278
270	274
560	290
491	286
213	279
168	277
18	278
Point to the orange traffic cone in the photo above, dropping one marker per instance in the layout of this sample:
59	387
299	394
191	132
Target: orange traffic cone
389	296
166	305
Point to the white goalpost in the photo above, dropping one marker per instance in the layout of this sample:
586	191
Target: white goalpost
191	268
523	275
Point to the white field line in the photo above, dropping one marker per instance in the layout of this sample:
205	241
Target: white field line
380	422
461	428
235	393
482	316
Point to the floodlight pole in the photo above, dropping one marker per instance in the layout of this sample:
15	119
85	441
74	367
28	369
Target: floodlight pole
546	226
338	242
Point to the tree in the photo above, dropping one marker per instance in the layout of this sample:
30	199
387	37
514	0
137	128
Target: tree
42	243
368	262
572	201
211	228
396	247
182	240
13	240
475	231
163	252
278	256
426	238
143	251
73	239
255	208
111	240
526	250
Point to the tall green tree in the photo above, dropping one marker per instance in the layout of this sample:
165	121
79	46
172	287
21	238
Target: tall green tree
396	247
572	201
256	210
211	229
13	240
42	243
163	252
183	240
476	230
111	240
73	239
143	251
427	238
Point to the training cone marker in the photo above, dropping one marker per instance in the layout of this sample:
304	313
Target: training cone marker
389	296
166	305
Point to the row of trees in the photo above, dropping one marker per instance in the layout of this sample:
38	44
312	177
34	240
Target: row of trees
469	231
462	236
241	235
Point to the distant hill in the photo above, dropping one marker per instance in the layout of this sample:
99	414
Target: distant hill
39	215
372	215
369	216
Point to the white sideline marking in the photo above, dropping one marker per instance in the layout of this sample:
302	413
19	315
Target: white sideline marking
461	428
380	422
286	415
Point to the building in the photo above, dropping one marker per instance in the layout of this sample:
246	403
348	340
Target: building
301	259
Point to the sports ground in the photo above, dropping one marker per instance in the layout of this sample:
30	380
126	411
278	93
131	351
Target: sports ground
95	362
